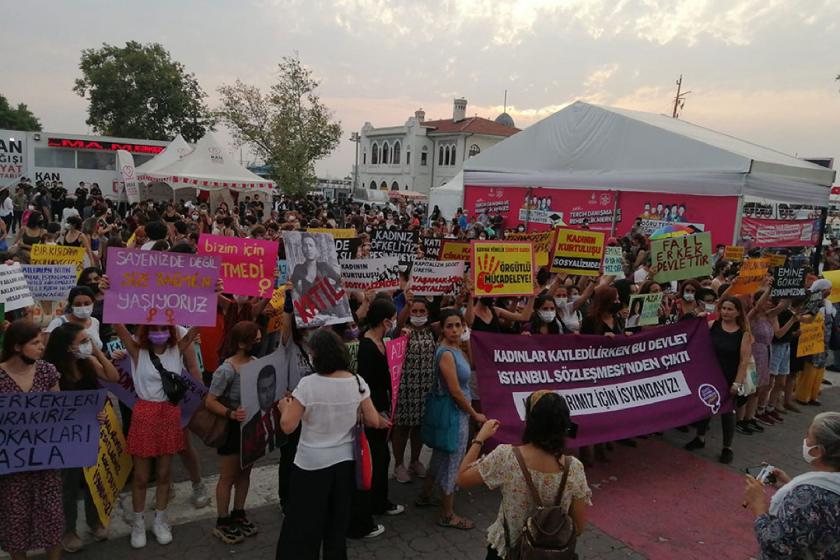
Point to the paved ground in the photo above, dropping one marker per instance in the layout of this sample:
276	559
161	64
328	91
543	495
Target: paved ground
415	536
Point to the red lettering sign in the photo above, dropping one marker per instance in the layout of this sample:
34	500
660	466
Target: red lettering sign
103	146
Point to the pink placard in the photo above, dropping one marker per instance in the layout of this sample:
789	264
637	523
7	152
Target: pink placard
395	351
247	264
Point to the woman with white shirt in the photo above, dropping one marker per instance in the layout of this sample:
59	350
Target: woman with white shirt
327	406
79	311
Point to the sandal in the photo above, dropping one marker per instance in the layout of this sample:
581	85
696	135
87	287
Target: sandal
449	522
427	501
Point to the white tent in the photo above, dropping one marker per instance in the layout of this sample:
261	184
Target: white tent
599	148
176	150
449	196
210	167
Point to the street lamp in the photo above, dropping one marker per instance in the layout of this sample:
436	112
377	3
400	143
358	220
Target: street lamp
355	138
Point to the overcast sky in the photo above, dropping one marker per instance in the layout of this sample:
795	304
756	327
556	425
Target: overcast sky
762	70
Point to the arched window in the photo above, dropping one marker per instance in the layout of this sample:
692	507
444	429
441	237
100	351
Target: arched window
452	161
440	156
446	156
474	150
383	186
424	156
408	155
395	157
386	153
374	153
373	185
364	157
395	186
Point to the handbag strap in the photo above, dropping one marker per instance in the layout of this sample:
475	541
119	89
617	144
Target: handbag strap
566	464
156	362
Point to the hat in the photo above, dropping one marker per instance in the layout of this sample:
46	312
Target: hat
820	285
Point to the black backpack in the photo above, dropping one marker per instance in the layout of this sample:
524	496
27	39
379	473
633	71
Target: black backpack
549	533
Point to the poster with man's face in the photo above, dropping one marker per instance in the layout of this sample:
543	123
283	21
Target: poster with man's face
263	383
318	296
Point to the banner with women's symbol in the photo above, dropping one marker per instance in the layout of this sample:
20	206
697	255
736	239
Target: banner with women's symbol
247	265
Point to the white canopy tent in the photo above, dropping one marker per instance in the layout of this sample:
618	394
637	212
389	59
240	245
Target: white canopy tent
176	150
585	146
449	196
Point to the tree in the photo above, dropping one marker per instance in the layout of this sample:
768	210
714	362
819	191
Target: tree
288	126
138	91
17	119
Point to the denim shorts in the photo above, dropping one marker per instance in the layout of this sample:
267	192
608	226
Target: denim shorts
780	359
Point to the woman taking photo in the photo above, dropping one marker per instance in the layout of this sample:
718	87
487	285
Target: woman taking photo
327	407
732	342
79	311
453	378
81	365
31	513
547	423
801	519
225	399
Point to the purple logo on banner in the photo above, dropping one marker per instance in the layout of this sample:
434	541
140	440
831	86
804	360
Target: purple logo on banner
160	288
44	431
615	387
124	390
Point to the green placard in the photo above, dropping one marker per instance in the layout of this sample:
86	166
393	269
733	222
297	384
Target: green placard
678	258
613	264
644	310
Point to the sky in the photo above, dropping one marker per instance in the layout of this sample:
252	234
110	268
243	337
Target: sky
762	70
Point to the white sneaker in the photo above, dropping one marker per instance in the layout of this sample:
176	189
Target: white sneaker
138	533
162	531
200	498
376	532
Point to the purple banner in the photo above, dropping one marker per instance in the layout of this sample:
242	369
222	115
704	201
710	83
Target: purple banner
124	390
160	288
44	431
615	387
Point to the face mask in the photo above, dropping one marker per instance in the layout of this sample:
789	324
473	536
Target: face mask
465	336
83	312
688	296
351	334
615	307
546	316
710	307
195	217
419	321
85	350
158	337
255	349
573	298
806	451
561	301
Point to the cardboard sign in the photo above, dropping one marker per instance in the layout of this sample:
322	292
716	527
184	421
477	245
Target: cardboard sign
263	384
345	233
775	259
49	431
388	242
108	476
436	278
578	252
644	310
750	277
812	337
283	272
678	258
543	244
502	268
58	254
371	274
788	282
614	262
833	276
431	247
453	250
347	249
814	303
278	300
50	282
247	265
733	253
14	291
395	352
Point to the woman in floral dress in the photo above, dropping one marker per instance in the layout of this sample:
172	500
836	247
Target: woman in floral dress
31	512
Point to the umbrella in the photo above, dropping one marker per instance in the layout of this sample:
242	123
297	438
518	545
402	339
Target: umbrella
673	230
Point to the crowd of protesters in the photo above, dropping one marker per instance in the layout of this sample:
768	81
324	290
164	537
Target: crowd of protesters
321	504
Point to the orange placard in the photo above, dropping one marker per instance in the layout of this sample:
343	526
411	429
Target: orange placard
750	277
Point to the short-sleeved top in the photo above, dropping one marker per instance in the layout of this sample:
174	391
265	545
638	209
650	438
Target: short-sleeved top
226	383
727	350
147	382
501	469
331	407
92	330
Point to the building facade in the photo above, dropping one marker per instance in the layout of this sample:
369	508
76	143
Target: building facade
419	154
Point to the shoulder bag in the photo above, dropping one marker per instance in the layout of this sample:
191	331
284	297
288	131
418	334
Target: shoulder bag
211	428
441	418
173	384
361	450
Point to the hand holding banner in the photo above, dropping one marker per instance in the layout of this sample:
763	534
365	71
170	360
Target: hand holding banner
812	337
750	277
247	265
679	258
107	477
436	278
578	252
502	268
371	274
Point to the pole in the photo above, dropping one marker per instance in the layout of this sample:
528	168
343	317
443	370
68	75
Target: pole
616	194
819	248
677	98
528	207
739	215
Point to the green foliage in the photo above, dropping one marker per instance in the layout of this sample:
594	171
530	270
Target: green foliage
288	126
138	91
20	118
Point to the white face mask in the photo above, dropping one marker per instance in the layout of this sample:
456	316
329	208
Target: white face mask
85	350
546	316
806	451
465	336
83	312
710	307
561	301
419	321
573	298
688	296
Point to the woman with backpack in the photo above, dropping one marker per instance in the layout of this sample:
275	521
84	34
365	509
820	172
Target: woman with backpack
534	474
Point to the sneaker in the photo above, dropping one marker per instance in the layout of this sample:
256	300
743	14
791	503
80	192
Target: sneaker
376	532
743	427
246	527
726	456
696	443
775	416
71	542
200	498
395	509
401	475
227	531
100	533
138	533
754	425
417	469
765	419
162	531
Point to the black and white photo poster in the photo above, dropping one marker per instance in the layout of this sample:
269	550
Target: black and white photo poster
263	384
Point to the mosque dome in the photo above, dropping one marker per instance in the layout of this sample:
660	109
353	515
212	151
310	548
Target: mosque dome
505	120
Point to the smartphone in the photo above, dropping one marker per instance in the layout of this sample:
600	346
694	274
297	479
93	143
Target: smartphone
762	473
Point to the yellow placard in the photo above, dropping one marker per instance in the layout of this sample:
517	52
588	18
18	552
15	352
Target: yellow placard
58	254
452	250
775	259
833	276
811	338
750	277
108	476
543	243
278	298
502	268
346	233
733	253
578	252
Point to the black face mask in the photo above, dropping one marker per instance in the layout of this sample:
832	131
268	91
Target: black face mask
615	307
255	349
94	286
